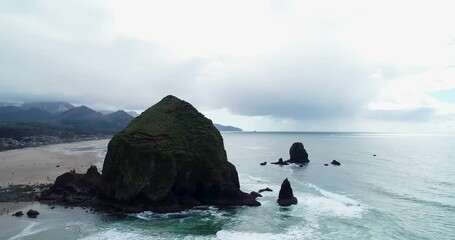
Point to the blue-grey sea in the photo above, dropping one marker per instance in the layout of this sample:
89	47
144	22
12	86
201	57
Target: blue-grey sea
406	191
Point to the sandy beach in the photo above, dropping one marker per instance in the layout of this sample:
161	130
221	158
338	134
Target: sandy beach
38	165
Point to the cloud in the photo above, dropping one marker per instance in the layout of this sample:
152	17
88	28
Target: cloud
107	71
43	57
310	80
279	64
408	115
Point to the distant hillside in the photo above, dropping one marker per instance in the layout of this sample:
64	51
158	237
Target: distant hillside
79	114
17	114
226	128
15	121
51	107
88	119
133	113
120	118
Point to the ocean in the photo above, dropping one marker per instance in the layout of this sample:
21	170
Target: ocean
406	191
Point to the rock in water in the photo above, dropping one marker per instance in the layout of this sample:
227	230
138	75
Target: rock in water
74	188
298	153
171	157
280	162
265	190
286	196
335	162
18	214
32	213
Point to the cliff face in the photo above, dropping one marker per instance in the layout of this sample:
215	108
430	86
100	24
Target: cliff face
171	155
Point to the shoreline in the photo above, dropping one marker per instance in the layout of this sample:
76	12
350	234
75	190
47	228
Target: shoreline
42	165
9	208
54	141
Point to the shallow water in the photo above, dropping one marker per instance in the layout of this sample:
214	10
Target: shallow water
407	191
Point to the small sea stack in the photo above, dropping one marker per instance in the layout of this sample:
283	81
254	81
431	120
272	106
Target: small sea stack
335	162
298	154
280	162
32	213
286	196
18	214
263	163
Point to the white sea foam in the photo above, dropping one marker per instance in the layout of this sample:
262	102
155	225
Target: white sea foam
257	179
114	234
31	229
254	183
209	211
328	203
300	232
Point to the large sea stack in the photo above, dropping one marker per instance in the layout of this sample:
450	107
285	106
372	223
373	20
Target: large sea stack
170	157
298	154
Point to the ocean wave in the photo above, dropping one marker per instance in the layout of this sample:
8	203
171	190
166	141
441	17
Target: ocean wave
407	197
296	232
329	203
253	183
31	229
209	211
257	179
114	234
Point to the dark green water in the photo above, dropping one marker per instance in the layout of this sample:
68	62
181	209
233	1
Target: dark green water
407	191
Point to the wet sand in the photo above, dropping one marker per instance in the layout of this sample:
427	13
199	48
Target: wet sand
38	165
8	208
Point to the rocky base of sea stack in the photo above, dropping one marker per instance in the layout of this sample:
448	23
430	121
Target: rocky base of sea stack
82	190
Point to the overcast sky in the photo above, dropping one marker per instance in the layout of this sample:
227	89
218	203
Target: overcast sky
385	66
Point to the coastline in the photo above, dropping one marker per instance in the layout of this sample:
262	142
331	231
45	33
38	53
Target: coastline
8	208
42	165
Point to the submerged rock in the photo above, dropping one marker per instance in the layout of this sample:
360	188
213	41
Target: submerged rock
298	154
335	162
265	190
280	162
286	196
170	157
